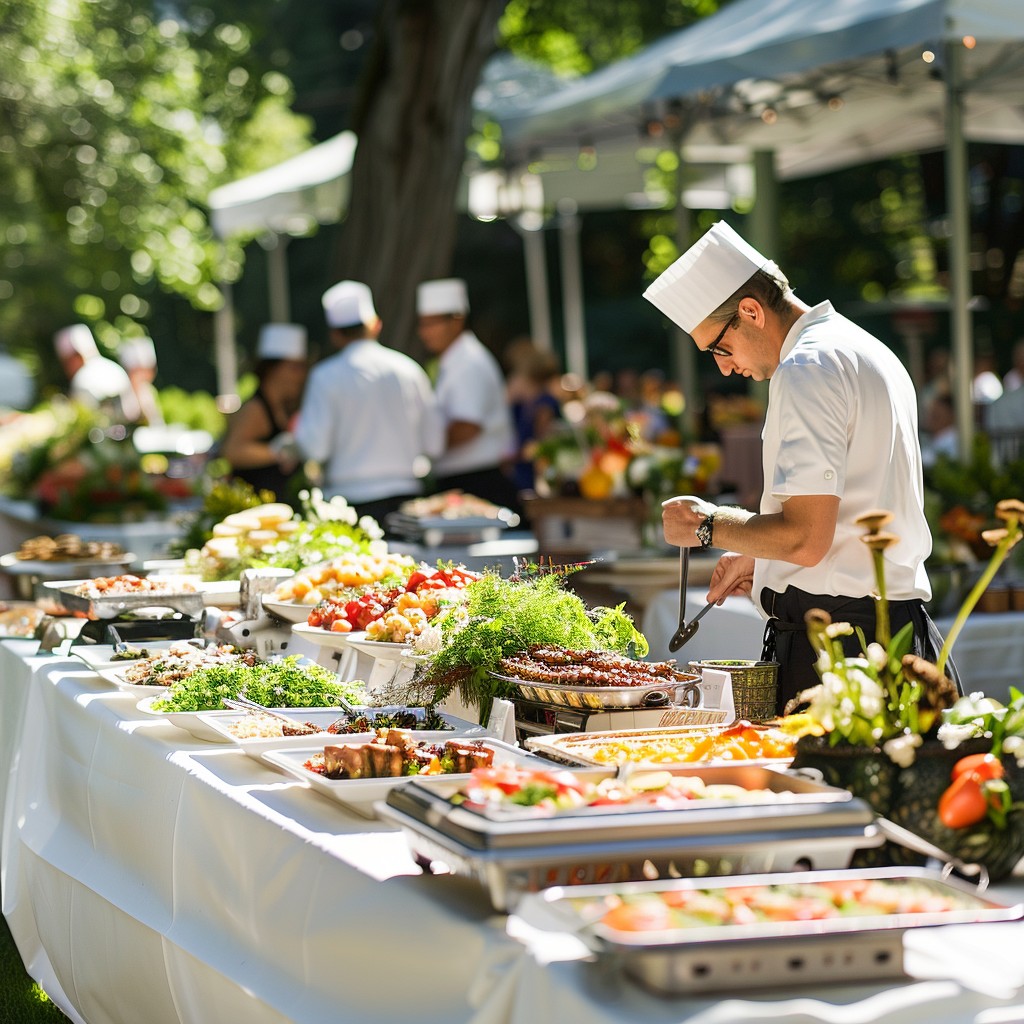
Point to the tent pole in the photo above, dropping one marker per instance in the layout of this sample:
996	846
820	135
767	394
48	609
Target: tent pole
277	279
959	249
224	349
537	297
572	289
764	217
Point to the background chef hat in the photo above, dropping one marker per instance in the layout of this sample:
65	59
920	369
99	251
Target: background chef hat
282	341
349	303
706	275
137	354
447	295
76	339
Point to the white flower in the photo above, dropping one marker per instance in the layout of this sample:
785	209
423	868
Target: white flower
952	735
877	656
834	629
870	704
902	749
1013	744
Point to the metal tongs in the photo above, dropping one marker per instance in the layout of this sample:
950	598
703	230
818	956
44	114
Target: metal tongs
911	841
241	703
685	630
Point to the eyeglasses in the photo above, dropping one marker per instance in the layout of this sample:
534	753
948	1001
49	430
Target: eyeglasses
714	348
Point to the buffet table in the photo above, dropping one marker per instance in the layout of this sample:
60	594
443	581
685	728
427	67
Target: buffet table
150	876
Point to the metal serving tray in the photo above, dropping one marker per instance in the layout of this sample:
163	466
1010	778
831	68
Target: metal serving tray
763	955
579	748
681	690
510	854
109	607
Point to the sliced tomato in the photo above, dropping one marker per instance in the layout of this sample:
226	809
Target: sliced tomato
642	916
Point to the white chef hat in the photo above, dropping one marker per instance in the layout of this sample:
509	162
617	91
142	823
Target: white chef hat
75	339
447	295
349	303
282	341
137	354
714	267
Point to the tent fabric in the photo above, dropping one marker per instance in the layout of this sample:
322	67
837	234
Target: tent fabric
863	46
291	197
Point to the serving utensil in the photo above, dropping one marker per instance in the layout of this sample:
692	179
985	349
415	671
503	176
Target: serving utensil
244	704
684	634
679	636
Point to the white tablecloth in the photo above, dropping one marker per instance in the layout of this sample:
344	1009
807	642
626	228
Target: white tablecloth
150	877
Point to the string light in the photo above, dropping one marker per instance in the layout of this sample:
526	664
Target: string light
835	102
769	115
928	56
970	42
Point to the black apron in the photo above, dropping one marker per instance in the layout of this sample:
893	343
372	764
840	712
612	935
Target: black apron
785	635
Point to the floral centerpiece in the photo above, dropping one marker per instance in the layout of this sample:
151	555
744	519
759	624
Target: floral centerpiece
889	725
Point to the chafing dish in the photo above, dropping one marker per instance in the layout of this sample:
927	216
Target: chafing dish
810	825
763	954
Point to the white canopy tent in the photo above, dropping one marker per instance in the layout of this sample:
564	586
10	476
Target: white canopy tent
820	84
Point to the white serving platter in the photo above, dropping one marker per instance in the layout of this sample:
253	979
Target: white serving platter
324	637
81	568
290	611
115	675
189	721
383	650
360	795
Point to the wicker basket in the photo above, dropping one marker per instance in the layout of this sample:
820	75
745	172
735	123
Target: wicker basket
755	686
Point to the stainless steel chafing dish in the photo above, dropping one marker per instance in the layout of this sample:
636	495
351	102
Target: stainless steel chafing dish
682	689
764	954
811	825
109	606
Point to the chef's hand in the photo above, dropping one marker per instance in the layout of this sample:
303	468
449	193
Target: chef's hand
681	516
734	574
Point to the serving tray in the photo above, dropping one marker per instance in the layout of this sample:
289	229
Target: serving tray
581	748
765	954
110	606
513	853
684	690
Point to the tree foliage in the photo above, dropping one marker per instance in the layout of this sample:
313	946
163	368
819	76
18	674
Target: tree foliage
116	120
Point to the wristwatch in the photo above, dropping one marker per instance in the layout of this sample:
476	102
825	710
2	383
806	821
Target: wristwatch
705	532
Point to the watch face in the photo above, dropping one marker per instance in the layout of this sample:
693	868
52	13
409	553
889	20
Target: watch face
704	533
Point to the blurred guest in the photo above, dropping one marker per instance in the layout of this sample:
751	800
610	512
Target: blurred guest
369	416
986	386
937	379
259	444
939	433
479	435
138	357
93	379
534	376
1014	377
17	386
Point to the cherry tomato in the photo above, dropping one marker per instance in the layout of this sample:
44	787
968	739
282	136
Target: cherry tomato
982	766
414	581
963	804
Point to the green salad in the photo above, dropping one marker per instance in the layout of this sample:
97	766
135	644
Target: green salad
275	684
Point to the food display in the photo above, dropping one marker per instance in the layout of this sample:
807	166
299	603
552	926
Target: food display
451	505
739	742
20	619
68	547
129	585
349	575
394	754
281	683
520	831
551	664
180	660
260	725
775	930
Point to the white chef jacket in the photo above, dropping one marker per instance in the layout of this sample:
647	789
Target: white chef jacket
100	380
842	419
471	388
368	416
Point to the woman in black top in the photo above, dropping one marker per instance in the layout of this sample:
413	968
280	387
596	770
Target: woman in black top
258	443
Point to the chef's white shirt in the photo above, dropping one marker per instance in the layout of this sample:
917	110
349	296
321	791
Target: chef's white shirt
101	380
842	420
369	416
471	388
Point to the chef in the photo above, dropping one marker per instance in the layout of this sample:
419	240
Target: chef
93	379
479	436
369	415
840	439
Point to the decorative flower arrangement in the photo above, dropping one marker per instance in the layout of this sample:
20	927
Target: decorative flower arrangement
605	450
888	704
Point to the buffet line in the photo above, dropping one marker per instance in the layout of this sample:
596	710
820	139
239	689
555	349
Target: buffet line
664	828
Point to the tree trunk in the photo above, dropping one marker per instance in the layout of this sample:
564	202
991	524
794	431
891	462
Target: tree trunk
412	122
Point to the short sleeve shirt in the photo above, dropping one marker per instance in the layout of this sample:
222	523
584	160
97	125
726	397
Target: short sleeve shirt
842	420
